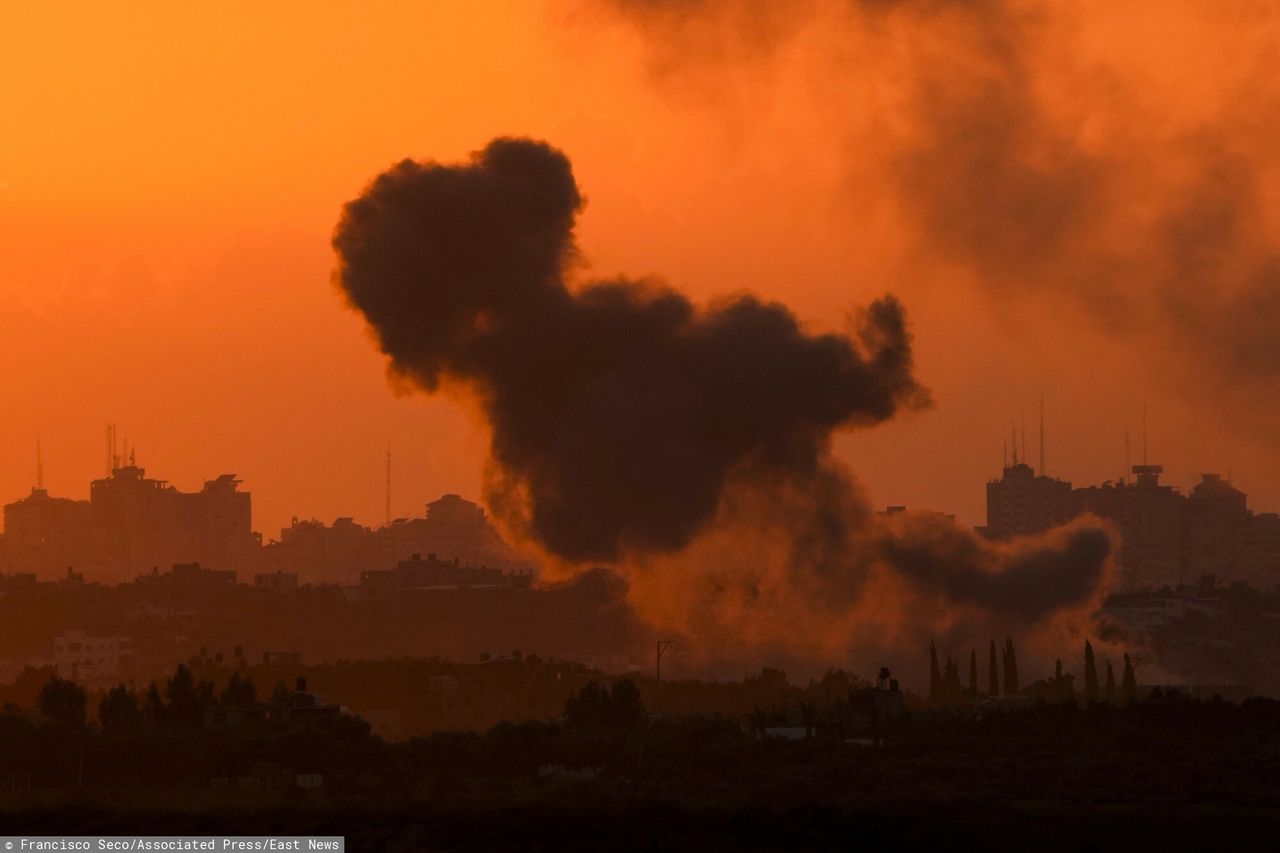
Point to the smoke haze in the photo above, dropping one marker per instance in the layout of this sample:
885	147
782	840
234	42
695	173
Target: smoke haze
1039	149
686	445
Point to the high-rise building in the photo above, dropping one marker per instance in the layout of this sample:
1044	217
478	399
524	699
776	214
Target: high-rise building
1021	503
46	535
130	525
1166	538
1149	517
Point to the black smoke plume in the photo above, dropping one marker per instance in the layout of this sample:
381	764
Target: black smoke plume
631	426
620	409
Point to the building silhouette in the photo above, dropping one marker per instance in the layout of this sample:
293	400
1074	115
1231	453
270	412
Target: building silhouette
1022	502
129	525
452	526
1166	538
134	526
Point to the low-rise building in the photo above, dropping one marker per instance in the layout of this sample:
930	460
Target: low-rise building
81	656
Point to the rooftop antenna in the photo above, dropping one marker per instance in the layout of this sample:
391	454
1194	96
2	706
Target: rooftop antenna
388	495
1013	432
1144	433
112	458
1004	447
1043	473
39	466
1024	435
1127	466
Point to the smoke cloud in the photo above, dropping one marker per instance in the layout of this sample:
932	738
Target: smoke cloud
1120	160
686	445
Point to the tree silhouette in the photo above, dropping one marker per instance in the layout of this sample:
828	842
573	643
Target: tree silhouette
62	702
1010	668
186	705
973	673
155	711
935	677
118	711
628	710
239	691
993	672
1090	673
1111	683
587	706
952	689
1063	685
595	707
1128	683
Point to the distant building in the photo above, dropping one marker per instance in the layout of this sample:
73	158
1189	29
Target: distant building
189	578
432	573
81	656
277	582
1142	618
452	527
46	535
1150	517
1166	538
282	658
891	511
1021	503
303	704
323	553
130	524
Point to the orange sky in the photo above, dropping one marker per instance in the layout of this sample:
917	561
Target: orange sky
170	176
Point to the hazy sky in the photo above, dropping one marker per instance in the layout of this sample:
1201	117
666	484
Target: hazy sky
170	176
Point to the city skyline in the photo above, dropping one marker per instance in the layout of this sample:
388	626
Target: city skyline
124	296
410	493
696	424
410	462
47	532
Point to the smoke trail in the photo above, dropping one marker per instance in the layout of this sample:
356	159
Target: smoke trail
633	427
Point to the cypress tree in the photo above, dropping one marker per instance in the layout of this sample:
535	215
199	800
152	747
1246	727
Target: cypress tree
993	673
1111	683
1010	668
1128	684
1004	662
935	677
953	689
1090	673
973	673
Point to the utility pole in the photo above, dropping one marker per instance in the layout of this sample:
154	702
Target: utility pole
657	669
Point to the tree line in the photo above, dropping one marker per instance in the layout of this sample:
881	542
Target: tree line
946	687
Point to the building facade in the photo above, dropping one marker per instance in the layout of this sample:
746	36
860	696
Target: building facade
1166	538
130	525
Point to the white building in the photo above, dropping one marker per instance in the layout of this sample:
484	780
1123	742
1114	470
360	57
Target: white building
84	657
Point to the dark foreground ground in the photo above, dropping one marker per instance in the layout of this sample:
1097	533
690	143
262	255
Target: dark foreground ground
1165	773
640	823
